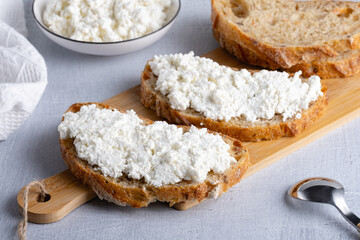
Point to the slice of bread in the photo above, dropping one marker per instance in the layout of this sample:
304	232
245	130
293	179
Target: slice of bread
320	37
344	65
239	127
136	193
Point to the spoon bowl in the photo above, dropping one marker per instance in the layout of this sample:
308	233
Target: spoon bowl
321	190
324	190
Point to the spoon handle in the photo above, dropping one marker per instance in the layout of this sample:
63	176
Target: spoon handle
345	211
353	220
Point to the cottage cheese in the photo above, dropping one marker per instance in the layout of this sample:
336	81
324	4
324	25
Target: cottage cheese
105	20
220	93
119	143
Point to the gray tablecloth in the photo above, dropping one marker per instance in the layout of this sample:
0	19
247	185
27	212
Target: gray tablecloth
257	208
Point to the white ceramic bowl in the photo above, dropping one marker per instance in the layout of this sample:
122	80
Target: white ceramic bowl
104	48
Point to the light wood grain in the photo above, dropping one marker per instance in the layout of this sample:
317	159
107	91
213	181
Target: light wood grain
66	194
344	105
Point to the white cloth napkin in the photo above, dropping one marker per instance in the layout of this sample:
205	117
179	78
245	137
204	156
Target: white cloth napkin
23	75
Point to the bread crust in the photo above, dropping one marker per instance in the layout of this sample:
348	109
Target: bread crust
267	130
309	59
326	68
138	194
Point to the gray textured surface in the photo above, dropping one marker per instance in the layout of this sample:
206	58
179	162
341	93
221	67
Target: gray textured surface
255	209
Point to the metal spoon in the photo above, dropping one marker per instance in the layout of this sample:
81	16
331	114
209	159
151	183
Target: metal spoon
324	190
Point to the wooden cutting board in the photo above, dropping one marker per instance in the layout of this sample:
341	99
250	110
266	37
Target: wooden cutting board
67	193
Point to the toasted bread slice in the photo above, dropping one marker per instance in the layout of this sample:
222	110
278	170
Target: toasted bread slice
126	191
239	127
284	34
344	65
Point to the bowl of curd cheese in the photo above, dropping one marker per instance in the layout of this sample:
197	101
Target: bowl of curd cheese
105	27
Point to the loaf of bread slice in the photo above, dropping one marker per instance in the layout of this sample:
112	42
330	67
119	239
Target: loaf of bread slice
238	127
136	193
316	37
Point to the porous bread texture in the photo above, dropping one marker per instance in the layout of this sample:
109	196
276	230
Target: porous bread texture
136	193
286	34
238	127
299	23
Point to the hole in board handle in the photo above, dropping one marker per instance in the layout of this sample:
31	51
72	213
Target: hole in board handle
43	198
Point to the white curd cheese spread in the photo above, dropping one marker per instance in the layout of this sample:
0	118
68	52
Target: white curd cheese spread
120	143
220	93
105	20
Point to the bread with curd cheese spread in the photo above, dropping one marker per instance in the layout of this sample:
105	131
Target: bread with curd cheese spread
237	127
137	193
316	37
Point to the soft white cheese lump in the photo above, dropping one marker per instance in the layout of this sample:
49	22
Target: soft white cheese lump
160	153
105	20
220	93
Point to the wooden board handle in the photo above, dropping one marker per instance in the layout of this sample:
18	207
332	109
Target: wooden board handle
66	194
